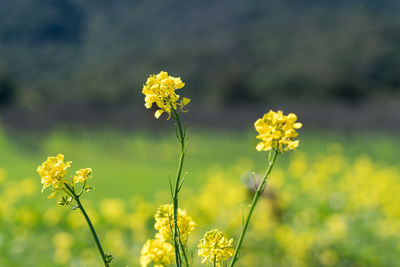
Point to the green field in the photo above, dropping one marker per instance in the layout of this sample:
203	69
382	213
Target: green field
138	162
130	166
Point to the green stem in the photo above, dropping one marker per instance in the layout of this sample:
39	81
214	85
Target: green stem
181	138
96	239
253	204
184	254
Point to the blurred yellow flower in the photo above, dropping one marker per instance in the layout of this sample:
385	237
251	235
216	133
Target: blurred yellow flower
82	175
26	217
160	89
51	216
53	171
75	220
113	210
63	240
62	243
27	186
157	251
276	131
215	247
328	257
116	243
336	226
165	221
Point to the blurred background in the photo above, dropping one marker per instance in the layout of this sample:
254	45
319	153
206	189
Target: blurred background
86	61
71	74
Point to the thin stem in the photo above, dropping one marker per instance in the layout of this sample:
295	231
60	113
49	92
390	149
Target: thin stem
181	139
96	239
253	204
83	188
184	254
69	192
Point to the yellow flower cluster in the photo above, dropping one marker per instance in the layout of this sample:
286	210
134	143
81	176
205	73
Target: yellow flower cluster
157	251
53	171
215	247
276	131
160	89
82	175
161	250
165	221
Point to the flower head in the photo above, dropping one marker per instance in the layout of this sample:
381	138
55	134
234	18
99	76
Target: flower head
53	171
165	223
157	251
82	175
276	131
160	89
214	246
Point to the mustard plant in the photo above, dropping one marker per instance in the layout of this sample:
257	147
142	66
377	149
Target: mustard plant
215	247
53	172
160	89
276	132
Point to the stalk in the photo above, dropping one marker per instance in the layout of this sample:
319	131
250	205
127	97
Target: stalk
177	188
253	204
96	239
184	254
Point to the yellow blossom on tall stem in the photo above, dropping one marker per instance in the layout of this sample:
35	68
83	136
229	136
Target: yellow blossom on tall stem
276	132
215	247
160	89
53	172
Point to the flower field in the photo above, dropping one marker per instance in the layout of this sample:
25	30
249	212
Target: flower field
332	202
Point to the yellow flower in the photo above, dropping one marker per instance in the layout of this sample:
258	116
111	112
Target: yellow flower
157	250
160	89
165	223
82	175
53	171
214	246
276	131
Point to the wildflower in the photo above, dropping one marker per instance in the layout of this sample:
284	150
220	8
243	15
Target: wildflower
53	171
158	251
160	89
165	223
215	247
82	175
276	131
